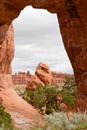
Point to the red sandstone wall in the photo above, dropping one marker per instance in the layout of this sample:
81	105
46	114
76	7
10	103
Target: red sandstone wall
21	77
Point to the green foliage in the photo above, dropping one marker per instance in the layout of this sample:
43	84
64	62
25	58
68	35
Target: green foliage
43	98
67	98
68	93
70	85
58	119
5	118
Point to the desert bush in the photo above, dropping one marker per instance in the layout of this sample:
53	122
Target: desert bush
68	98
59	121
70	86
5	117
78	121
43	98
68	93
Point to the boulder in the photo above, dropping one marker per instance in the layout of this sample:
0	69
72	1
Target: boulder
42	77
33	82
44	74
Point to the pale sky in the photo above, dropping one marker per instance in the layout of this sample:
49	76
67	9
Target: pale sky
38	39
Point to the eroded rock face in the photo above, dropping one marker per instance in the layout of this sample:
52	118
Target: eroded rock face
72	16
42	77
33	82
21	78
6	55
43	72
73	26
60	77
8	96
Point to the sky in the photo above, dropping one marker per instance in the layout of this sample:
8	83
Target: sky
37	39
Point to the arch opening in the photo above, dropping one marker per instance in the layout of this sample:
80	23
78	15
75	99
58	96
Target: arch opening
38	39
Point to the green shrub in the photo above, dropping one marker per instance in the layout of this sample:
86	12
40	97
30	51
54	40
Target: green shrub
58	119
67	98
70	86
43	98
5	117
68	93
78	118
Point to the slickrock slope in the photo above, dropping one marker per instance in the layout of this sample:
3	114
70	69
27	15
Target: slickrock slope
42	76
9	97
72	17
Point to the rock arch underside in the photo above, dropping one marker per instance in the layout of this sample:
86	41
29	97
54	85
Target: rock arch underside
72	17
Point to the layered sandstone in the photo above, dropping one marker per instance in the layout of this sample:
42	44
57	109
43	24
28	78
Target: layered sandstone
72	17
25	77
21	77
43	76
60	77
43	72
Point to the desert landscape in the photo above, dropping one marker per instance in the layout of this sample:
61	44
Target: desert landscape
45	100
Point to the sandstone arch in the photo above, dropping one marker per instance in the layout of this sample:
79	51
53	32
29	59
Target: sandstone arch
72	17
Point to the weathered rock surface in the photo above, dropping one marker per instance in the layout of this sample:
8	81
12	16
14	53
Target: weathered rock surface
21	78
43	72
60	77
33	82
72	16
42	77
20	121
8	96
6	56
14	103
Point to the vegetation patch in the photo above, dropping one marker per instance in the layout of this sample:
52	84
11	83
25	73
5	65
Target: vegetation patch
78	121
5	118
45	98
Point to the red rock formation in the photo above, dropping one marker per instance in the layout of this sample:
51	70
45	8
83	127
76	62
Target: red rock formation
72	16
33	82
24	77
6	56
60	77
42	76
8	96
21	78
